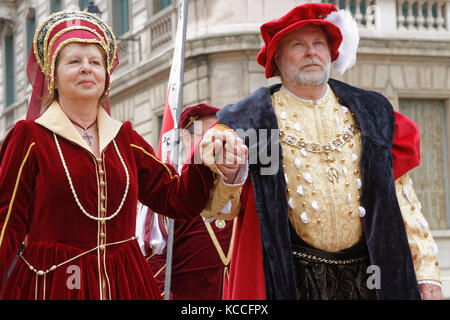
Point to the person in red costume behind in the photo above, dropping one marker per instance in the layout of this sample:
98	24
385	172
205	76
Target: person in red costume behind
201	249
328	211
71	176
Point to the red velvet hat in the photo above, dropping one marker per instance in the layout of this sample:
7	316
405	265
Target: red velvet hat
302	15
190	114
51	36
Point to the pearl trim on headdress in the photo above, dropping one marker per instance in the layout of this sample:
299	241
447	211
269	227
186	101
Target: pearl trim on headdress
42	33
43	44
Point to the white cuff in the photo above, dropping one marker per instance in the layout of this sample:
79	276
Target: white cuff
209	219
436	283
240	177
227	208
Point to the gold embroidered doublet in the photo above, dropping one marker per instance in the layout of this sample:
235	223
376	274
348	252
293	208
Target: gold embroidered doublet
321	150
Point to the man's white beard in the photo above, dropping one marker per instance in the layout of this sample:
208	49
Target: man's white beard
295	75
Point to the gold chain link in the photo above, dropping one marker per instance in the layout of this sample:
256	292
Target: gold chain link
311	257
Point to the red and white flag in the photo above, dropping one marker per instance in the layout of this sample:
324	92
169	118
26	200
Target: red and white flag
172	108
169	140
168	126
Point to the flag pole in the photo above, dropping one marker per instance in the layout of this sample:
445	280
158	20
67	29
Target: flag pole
180	37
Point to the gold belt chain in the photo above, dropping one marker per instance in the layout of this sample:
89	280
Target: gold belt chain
327	261
44	273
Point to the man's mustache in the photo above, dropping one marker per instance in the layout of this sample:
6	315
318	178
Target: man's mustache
311	61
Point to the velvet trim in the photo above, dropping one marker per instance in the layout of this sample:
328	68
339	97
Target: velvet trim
383	225
44	210
256	112
384	228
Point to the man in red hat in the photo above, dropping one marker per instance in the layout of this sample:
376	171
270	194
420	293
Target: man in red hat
201	249
338	217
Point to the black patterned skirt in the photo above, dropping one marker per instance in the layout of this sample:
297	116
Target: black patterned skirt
323	275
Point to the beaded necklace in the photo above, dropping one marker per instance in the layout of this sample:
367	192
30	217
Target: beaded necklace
73	189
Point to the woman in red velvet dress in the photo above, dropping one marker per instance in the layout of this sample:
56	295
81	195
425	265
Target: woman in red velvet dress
70	177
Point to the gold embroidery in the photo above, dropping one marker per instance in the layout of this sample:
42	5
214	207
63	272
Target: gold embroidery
422	244
225	260
55	37
44	64
54	267
322	189
156	159
159	271
340	141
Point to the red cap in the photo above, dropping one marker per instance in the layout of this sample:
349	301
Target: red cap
300	16
190	114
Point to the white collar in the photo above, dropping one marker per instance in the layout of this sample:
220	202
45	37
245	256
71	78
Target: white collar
305	100
57	121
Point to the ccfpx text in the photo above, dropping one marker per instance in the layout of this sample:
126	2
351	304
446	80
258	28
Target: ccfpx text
228	309
253	309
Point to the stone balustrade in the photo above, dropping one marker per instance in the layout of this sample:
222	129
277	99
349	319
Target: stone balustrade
422	15
427	19
153	37
161	30
364	11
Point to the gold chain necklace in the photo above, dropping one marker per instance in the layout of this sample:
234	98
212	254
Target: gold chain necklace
313	147
295	141
334	144
332	173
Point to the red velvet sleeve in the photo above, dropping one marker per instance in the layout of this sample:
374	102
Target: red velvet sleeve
18	169
406	146
180	197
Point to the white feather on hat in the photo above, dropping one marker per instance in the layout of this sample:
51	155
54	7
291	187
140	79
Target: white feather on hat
348	26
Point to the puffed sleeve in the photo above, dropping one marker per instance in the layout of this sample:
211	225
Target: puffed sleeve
406	145
423	247
406	156
18	169
163	190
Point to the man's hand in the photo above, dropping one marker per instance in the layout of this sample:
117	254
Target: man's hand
230	154
431	292
222	150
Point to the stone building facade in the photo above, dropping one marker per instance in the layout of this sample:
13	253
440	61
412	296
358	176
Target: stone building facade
404	53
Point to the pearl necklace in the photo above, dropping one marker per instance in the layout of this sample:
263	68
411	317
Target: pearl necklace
73	189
